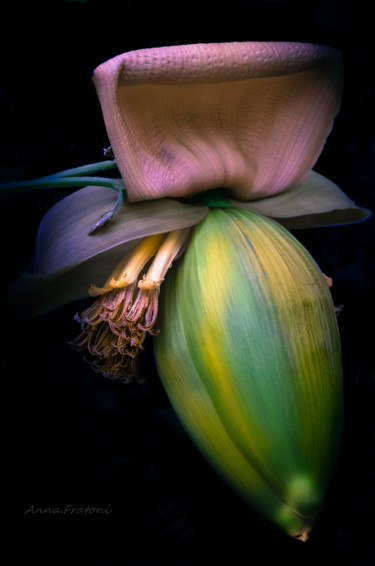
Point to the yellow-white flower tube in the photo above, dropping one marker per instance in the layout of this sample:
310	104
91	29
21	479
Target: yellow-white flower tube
249	353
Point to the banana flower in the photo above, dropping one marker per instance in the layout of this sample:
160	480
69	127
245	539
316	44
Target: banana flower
247	344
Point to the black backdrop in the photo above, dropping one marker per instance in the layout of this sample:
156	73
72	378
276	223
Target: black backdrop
80	441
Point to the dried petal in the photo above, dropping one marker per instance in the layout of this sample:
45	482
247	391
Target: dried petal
251	117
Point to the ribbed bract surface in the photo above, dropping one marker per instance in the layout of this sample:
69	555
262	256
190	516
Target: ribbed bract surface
249	116
249	354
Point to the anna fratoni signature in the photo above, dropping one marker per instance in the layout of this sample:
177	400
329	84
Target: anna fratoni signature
67	510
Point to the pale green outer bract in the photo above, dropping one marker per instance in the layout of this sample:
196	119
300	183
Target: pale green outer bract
249	354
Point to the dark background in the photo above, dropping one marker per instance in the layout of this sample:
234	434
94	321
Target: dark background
79	440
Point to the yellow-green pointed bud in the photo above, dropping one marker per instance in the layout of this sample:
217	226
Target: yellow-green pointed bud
249	353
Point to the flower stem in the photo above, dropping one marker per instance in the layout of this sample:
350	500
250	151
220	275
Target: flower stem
67	178
85	169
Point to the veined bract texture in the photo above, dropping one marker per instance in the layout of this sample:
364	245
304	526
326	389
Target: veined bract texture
249	354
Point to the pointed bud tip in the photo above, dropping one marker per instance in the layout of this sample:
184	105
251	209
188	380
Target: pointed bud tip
304	535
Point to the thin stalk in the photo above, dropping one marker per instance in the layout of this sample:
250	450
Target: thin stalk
60	181
85	169
75	177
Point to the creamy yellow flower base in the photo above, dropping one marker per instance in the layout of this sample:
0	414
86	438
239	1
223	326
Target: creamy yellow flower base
115	326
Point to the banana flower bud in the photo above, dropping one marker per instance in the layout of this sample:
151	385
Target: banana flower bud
249	353
246	339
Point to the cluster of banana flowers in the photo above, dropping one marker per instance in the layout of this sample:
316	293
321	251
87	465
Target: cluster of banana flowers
246	339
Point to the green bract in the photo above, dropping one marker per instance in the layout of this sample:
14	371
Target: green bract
249	353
